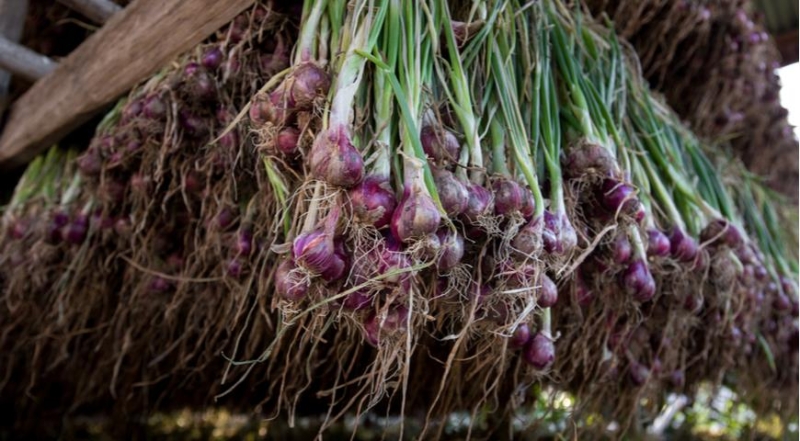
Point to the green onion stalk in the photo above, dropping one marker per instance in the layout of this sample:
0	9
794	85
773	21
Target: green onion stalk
418	214
374	200
307	82
559	236
334	159
593	153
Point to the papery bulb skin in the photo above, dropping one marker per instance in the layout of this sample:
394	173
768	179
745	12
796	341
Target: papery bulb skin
588	158
528	207
416	216
508	197
198	83
638	282
452	192
520	336
550	233
722	231
528	242
212	58
274	108
373	202
621	249
782	303
356	301
289	283
90	163
558	235
335	160
154	107
288	141
244	242
682	247
439	145
617	195
479	204
336	270
658	243
376	328
396	263
547	295
76	231
540	351
452	250
308	82
314	251
193	125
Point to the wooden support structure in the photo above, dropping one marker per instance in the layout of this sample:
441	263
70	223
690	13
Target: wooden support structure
24	62
12	20
98	11
788	46
133	45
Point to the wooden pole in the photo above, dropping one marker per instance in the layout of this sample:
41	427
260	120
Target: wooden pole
135	42
24	62
98	11
12	20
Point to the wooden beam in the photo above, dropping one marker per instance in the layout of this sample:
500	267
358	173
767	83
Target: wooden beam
12	20
98	11
24	62
788	47
136	42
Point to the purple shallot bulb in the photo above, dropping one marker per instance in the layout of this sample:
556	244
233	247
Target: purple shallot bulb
416	216
528	241
520	336
452	192
682	246
308	82
335	160
288	141
440	145
373	202
452	250
289	283
508	197
638	282
479	204
621	249
658	243
547	295
617	195
212	58
76	230
314	250
540	351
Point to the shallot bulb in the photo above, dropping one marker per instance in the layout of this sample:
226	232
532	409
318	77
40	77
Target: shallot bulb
452	192
335	160
373	201
540	351
416	216
439	145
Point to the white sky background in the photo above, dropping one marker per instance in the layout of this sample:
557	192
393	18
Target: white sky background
790	93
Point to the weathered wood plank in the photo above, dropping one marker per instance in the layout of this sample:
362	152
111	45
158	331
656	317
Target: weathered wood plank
133	44
12	22
98	11
24	62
